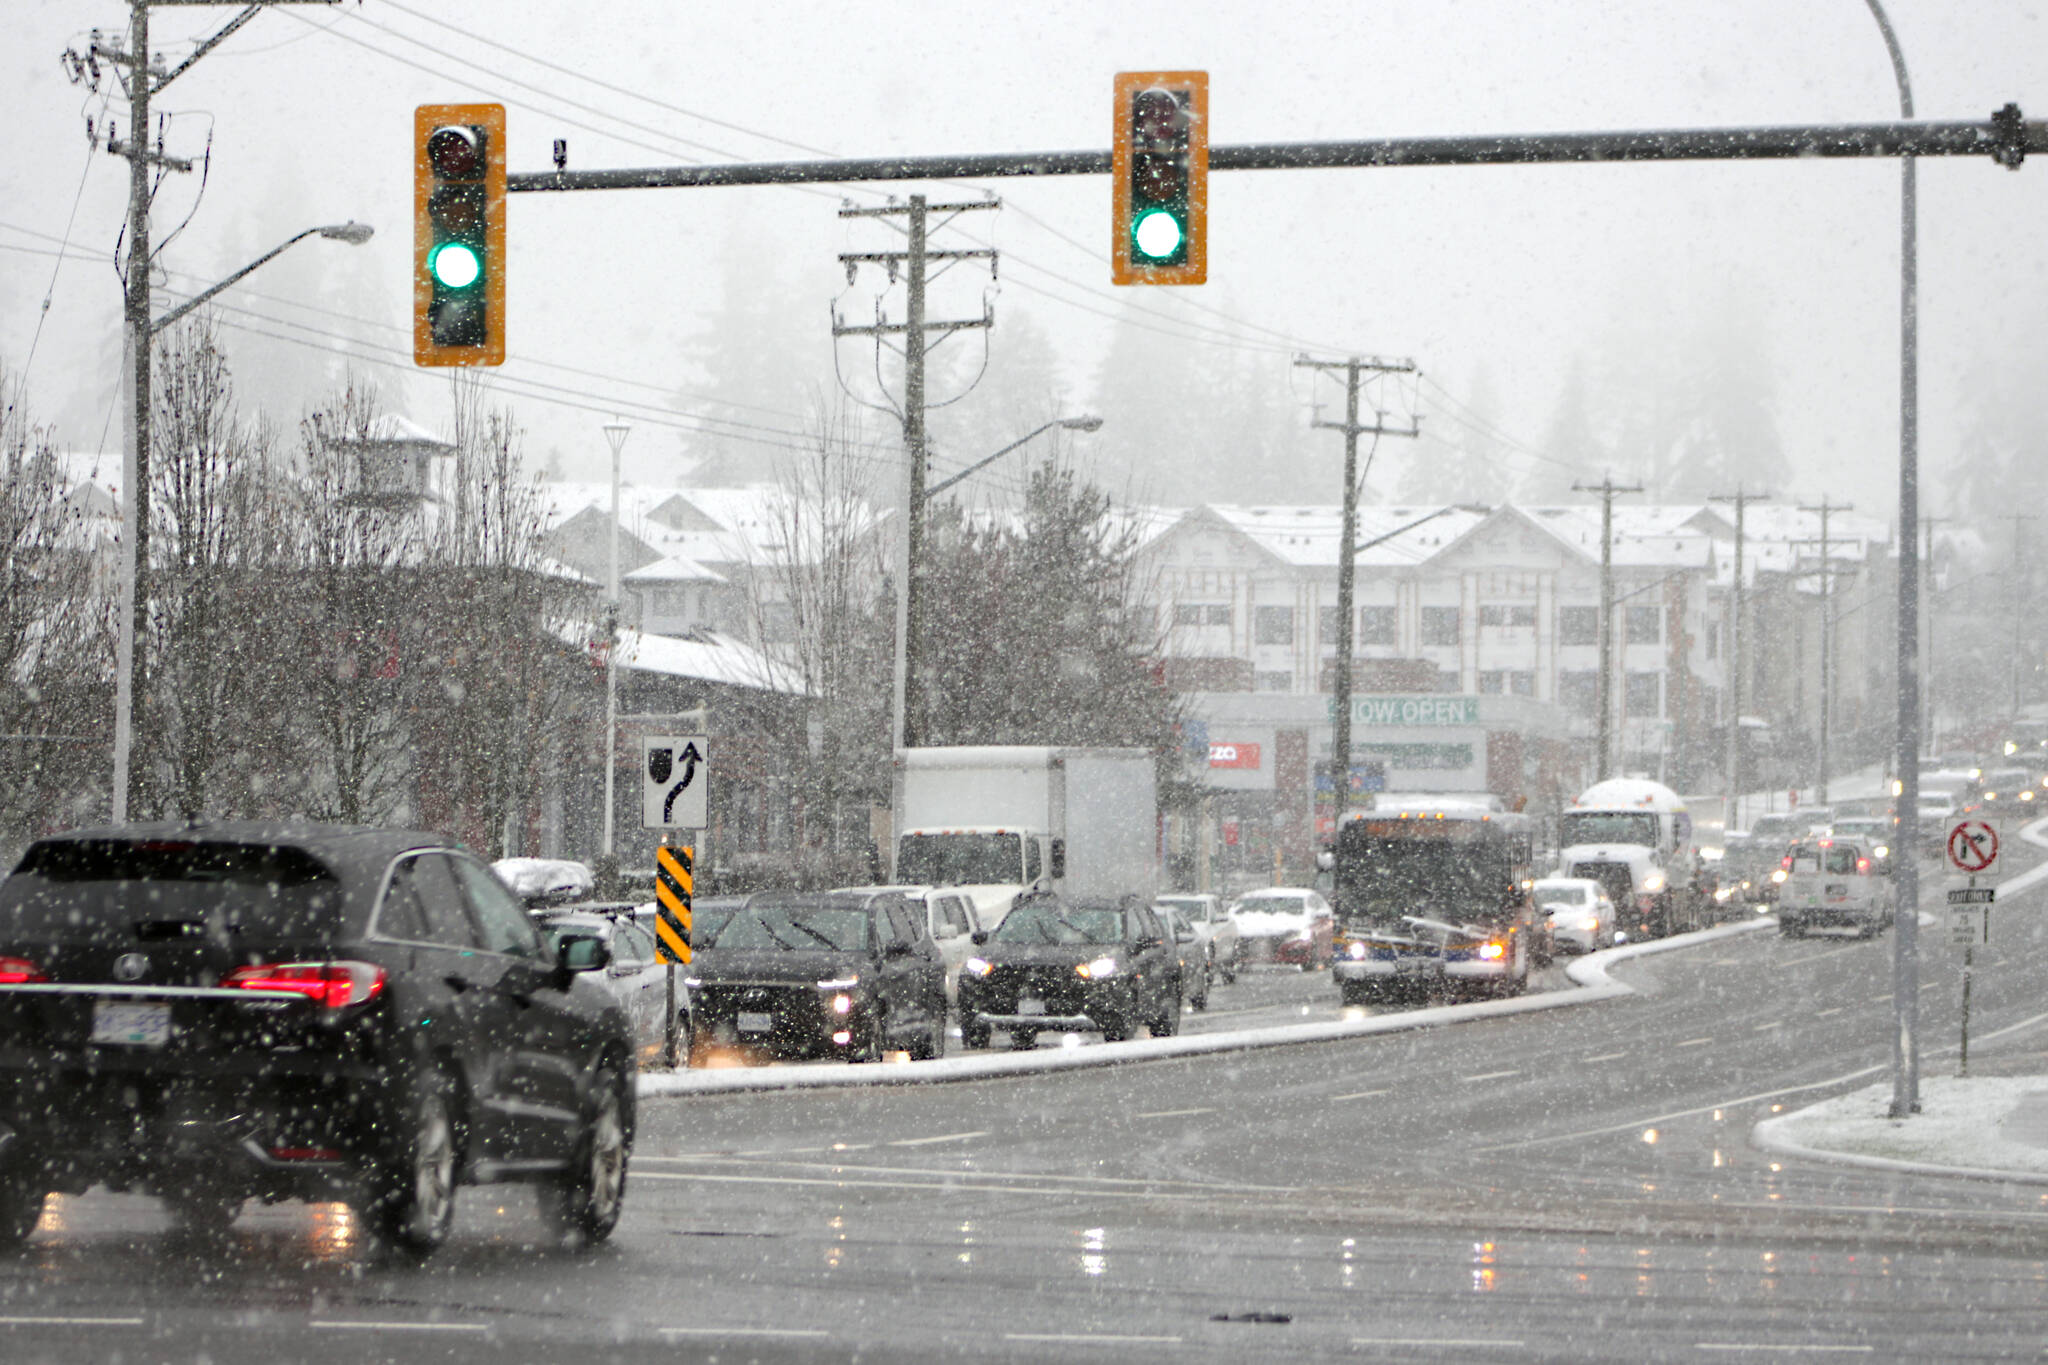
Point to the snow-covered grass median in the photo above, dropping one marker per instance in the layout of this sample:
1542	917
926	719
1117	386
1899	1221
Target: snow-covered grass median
1987	1127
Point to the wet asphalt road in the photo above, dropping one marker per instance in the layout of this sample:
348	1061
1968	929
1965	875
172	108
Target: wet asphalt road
1566	1185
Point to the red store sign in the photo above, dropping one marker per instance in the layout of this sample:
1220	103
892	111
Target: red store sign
1229	755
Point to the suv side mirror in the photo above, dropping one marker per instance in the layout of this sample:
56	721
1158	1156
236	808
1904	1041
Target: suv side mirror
579	953
980	937
1056	863
898	948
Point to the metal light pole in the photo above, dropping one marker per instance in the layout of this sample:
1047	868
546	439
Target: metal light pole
1906	909
903	730
615	433
140	332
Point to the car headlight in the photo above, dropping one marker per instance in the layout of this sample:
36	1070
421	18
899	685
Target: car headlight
1356	952
1591	924
1301	935
977	966
1778	877
842	1004
1654	882
839	983
1493	952
1099	969
1883	851
693	982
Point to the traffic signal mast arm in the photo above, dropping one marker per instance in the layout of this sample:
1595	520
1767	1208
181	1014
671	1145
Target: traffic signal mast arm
2006	138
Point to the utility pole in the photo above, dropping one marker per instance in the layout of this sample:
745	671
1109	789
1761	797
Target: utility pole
909	690
141	81
1827	642
1741	498
1354	370
2019	598
1606	488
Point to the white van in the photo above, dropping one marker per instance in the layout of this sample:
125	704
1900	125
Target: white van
1833	883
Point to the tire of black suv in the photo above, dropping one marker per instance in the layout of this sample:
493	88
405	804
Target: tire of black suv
21	1208
934	1045
974	1034
1167	1022
412	1202
584	1206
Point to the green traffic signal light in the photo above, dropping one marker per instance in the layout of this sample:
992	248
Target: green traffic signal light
455	265
1157	234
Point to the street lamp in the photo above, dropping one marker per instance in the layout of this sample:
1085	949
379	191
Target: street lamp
903	731
141	331
615	433
1906	904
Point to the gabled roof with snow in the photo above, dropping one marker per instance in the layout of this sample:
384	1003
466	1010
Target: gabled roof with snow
674	569
1311	536
708	656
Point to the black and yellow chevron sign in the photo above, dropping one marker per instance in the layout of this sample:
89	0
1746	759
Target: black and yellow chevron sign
672	888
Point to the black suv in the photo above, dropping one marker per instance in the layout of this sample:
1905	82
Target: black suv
1087	966
218	1013
842	974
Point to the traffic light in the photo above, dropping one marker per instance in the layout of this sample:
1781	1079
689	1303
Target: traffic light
1160	178
458	287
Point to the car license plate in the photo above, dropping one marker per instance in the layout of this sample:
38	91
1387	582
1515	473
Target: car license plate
123	1024
753	1022
1030	1006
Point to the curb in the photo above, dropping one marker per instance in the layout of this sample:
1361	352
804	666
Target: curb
1770	1136
1589	972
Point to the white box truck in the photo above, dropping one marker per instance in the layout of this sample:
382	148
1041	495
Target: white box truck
997	820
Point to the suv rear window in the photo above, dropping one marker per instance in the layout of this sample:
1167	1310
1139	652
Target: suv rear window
80	890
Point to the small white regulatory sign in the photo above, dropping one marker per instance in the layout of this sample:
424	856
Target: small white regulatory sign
1966	926
675	776
1973	847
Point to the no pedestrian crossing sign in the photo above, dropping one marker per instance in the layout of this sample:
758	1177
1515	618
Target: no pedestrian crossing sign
674	879
675	775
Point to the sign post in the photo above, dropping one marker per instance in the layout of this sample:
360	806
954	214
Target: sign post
1973	848
675	778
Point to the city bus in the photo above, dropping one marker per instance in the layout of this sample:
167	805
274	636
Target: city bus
1432	897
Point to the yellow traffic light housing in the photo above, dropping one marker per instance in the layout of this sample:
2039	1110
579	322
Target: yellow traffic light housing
1160	178
458	286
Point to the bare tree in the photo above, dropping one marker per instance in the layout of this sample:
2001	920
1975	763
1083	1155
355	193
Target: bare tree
501	699
55	663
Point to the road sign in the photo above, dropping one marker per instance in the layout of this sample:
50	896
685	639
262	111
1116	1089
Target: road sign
675	774
1966	925
1973	847
674	878
1972	895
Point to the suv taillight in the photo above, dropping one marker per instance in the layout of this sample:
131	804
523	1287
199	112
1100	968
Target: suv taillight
333	984
19	971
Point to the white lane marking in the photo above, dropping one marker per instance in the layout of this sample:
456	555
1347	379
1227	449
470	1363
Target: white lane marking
69	1322
1822	1014
812	1332
347	1325
1605	1057
1506	1343
1491	1075
1783	1348
1880	999
1362	1095
1694	1042
1089	1336
1172	1113
1766	1027
936	1185
943	1137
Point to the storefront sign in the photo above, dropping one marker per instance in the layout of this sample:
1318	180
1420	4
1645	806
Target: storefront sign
1233	754
1417	710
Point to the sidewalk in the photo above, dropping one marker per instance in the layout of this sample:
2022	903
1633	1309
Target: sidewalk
1978	1127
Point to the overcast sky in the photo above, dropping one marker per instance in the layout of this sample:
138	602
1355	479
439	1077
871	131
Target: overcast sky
1497	281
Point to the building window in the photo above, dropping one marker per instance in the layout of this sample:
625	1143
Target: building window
1509	682
1578	625
1379	626
778	623
1440	625
1272	625
1492	681
1507	616
1201	614
1645	625
1578	690
1642	700
1447	680
1713	642
1272	682
1521	683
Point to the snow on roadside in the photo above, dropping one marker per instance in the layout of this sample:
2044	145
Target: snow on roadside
1989	1127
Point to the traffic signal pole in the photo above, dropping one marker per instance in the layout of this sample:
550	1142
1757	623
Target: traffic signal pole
1742	499
1603	765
